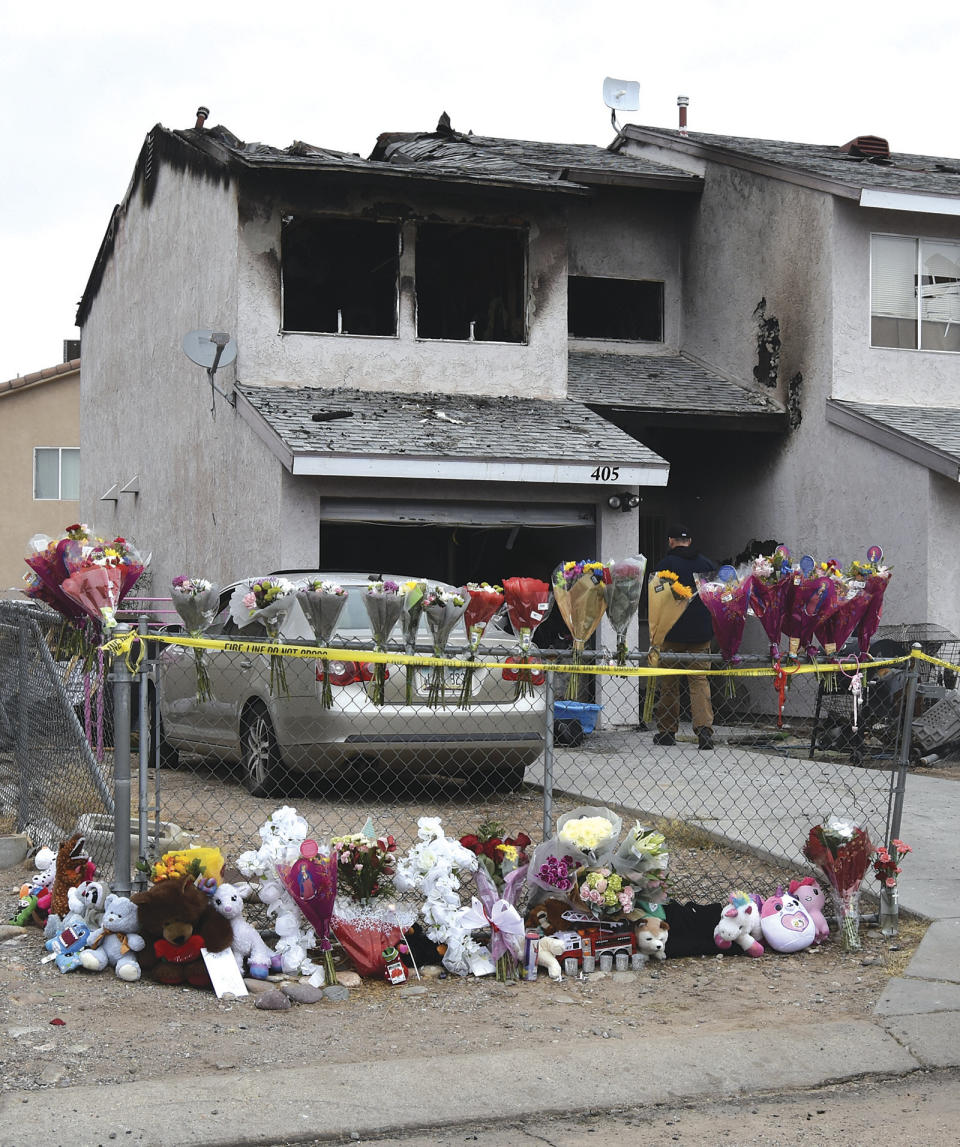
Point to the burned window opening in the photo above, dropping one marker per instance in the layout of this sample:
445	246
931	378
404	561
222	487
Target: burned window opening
630	310
768	346
340	276
470	283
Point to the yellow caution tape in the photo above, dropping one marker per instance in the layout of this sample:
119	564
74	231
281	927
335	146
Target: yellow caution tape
123	646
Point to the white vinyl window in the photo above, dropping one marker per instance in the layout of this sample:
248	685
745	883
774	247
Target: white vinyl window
914	293
56	473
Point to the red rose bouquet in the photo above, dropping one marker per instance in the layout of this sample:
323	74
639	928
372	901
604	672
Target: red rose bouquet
528	603
498	854
841	851
483	603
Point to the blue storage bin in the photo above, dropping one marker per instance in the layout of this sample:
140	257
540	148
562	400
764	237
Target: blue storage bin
581	711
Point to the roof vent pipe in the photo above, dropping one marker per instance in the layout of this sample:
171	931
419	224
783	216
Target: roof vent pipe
202	114
683	103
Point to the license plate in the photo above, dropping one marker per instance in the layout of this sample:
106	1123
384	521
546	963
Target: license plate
453	679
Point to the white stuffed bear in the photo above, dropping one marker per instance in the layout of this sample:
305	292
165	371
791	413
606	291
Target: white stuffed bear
85	903
548	949
247	943
116	940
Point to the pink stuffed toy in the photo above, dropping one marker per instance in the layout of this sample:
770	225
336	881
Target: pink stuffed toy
811	896
786	927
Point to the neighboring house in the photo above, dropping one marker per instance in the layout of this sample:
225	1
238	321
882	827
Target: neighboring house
441	353
831	275
39	462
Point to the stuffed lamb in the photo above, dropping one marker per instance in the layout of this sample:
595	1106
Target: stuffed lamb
116	940
247	942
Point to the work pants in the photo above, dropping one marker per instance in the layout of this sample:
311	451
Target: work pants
668	688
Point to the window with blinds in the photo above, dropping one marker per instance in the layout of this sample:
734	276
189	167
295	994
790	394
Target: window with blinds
914	293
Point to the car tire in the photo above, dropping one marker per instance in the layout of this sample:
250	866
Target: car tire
262	766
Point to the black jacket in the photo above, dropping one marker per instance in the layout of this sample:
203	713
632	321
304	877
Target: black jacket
695	625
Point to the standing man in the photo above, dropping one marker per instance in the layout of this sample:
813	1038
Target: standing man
692	633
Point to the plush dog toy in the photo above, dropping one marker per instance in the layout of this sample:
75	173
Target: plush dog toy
177	920
810	895
652	934
116	940
740	925
247	943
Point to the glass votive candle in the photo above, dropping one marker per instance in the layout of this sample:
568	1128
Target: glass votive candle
589	964
623	961
637	960
606	962
570	966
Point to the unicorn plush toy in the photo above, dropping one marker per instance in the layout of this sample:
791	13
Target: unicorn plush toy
740	925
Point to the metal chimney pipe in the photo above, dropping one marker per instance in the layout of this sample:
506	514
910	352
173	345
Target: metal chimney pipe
683	103
202	114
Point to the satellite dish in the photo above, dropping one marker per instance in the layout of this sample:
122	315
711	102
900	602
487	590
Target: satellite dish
621	95
210	349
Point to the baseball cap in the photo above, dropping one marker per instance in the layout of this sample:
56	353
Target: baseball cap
681	533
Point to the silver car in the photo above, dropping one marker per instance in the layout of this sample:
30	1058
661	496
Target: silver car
277	735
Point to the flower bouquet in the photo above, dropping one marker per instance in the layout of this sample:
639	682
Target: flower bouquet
365	864
322	603
579	589
667	598
47	559
770	585
623	588
528	603
840	850
875	576
383	604
312	882
267	600
365	931
413	594
604	893
443	610
498	855
591	832
101	576
433	867
496	909
726	595
553	868
200	863
643	858
886	868
365	921
483	602
812	598
196	600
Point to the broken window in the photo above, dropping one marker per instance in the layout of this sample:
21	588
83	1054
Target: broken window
340	276
626	309
470	282
914	289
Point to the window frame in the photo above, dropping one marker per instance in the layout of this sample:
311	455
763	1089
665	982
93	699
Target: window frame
60	452
660	283
308	219
918	242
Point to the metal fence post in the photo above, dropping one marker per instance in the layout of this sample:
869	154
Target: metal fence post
120	676
22	740
899	781
143	742
548	758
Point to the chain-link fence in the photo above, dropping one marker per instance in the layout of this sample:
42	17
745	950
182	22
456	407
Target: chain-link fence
239	726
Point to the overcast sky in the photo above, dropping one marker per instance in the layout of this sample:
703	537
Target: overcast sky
82	84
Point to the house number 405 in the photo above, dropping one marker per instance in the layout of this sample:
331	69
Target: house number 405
606	474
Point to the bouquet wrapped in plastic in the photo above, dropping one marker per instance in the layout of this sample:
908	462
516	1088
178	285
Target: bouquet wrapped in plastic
528	603
667	598
499	855
726	595
834	631
384	604
322	603
483	603
770	586
413	594
591	832
47	558
312	882
624	589
366	864
553	867
196	600
443	610
365	931
643	858
269	601
496	909
604	893
579	589
101	576
875	576
811	600
841	851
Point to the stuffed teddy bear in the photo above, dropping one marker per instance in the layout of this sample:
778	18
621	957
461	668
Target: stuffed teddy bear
740	925
652	934
116	940
810	895
247	943
547	916
549	949
73	866
177	920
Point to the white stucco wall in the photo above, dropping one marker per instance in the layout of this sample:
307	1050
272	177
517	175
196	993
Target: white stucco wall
208	490
879	374
943	580
536	369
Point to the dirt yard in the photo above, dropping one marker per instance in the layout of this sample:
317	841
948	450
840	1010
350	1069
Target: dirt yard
118	1032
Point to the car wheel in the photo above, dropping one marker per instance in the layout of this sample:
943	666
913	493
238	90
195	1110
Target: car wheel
169	756
261	756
